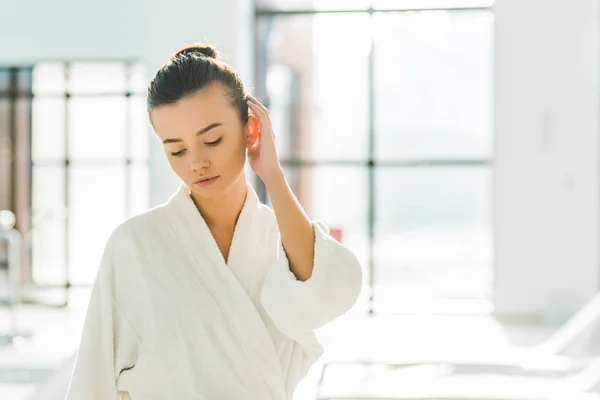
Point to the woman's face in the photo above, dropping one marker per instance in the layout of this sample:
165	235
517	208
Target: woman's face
203	137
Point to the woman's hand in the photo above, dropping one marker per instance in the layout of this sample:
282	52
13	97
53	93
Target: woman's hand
262	156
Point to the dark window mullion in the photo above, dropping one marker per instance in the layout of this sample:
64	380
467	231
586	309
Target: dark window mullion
371	163
398	164
85	163
12	136
128	138
67	96
22	94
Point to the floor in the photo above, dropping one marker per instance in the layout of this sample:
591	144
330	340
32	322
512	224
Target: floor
38	368
47	337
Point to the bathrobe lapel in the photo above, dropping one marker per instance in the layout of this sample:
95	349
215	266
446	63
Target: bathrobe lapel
234	302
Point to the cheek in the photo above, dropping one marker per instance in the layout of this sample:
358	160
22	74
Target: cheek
235	154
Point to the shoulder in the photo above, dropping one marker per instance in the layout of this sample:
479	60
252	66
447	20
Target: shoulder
137	229
121	264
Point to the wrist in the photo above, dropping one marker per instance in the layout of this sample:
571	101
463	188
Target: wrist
273	177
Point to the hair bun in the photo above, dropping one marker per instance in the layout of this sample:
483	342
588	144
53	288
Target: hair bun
205	49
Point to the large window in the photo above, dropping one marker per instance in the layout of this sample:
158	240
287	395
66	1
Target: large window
384	126
85	156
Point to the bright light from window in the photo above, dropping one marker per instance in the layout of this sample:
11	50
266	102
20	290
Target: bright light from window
342	35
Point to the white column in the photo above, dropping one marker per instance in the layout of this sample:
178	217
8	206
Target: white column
546	157
228	24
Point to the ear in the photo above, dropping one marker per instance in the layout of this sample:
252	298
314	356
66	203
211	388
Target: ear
253	131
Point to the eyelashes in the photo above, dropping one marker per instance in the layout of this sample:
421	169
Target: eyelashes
216	142
213	143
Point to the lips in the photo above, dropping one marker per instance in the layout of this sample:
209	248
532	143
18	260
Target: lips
205	179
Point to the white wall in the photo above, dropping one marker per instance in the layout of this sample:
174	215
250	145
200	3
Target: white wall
34	30
149	30
546	157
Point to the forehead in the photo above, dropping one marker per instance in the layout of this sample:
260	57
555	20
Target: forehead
194	112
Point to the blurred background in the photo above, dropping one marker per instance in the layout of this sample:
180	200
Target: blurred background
452	144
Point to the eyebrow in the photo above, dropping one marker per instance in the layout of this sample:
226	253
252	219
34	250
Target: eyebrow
200	132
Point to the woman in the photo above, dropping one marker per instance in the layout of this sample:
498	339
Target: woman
212	295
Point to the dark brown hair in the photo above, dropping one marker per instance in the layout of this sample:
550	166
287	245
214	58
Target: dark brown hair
191	69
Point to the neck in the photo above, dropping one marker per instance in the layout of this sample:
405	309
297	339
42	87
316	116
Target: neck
223	210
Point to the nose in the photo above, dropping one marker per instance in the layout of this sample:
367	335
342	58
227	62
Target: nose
199	162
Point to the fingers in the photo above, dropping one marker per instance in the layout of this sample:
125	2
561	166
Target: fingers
256	111
258	108
255	101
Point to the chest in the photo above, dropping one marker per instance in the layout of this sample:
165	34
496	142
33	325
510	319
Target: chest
223	238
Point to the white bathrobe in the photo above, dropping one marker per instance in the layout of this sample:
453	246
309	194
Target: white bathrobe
168	318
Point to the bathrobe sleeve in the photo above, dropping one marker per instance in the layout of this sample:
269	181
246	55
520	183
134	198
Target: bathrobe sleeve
109	342
333	288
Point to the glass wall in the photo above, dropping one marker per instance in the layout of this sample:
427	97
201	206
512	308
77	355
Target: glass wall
87	160
383	120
